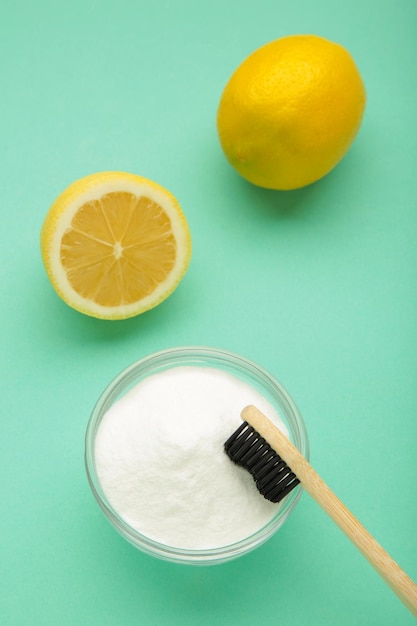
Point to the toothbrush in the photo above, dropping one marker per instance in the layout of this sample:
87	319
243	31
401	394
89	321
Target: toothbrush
277	467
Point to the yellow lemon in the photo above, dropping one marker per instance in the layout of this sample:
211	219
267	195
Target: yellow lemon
115	245
290	111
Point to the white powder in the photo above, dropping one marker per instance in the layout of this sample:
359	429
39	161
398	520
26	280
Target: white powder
161	462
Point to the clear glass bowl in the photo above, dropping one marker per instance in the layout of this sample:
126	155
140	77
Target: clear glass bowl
236	365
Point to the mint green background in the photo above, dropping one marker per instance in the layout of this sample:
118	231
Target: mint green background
318	285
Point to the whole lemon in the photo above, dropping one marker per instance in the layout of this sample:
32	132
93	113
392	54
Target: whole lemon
290	111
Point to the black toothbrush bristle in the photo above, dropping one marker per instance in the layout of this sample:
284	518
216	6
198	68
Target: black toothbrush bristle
273	478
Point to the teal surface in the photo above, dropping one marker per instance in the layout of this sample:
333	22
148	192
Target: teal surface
319	286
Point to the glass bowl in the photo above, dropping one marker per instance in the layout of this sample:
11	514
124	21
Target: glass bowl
239	367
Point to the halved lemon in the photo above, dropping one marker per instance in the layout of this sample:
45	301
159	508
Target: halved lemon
115	245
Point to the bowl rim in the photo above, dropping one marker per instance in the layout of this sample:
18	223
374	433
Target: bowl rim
173	357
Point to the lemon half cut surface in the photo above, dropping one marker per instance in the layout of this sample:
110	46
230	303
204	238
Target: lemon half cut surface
115	245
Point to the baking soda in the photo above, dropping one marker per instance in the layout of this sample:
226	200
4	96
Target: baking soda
161	463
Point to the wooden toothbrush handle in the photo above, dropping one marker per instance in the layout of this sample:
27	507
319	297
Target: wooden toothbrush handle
386	567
